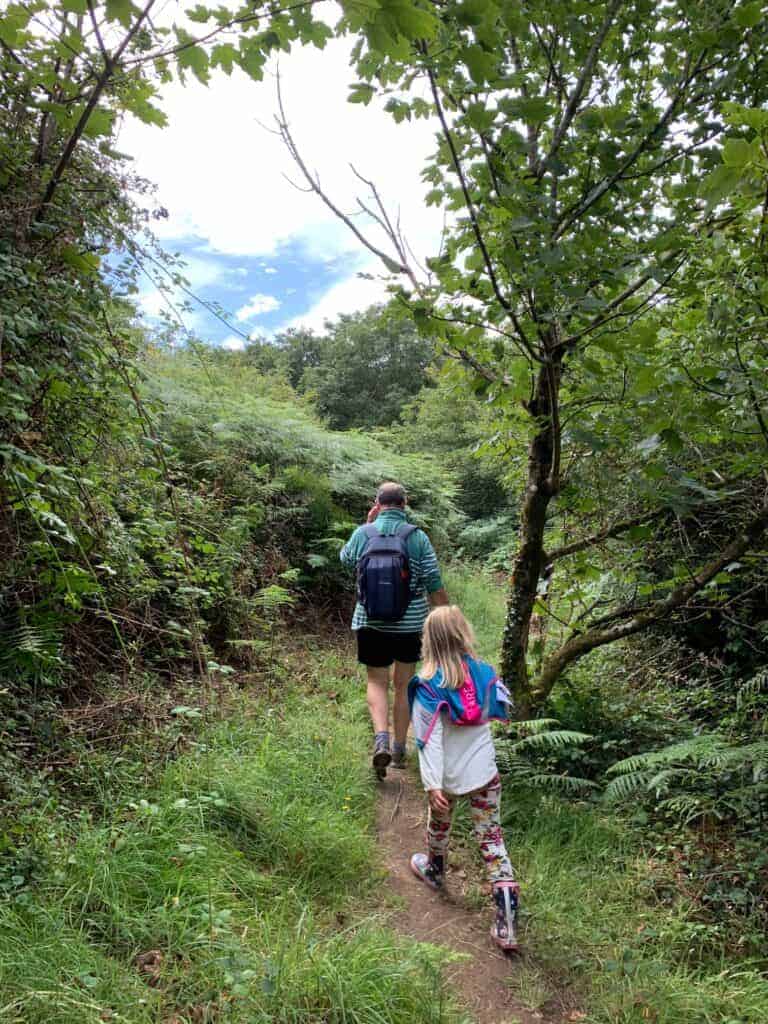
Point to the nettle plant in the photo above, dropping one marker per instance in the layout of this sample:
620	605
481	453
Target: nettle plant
592	160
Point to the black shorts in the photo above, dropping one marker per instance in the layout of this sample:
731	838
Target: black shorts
377	649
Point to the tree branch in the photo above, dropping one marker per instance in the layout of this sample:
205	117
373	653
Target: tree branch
395	266
101	83
246	19
581	83
505	304
606	533
753	399
575	648
577	211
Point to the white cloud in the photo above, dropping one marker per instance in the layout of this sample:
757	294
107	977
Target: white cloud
257	305
270	270
347	296
233	343
231	191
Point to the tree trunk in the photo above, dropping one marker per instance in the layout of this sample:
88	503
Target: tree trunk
541	486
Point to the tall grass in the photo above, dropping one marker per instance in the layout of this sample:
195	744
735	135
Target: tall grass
242	886
481	598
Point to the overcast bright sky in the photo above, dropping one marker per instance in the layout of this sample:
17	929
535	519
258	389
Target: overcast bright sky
271	256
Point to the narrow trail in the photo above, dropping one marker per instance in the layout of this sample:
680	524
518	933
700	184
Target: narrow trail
480	982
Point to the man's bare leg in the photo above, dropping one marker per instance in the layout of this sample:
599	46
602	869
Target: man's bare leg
378	706
403	674
378	698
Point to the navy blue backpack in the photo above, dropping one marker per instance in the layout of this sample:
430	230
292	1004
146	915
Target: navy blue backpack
384	574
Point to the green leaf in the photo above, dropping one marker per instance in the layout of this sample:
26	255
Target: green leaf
752	117
224	56
410	21
480	64
719	184
192	57
13	21
736	152
749	15
361	92
480	117
199	14
530	108
148	113
75	6
252	59
119	10
86	263
99	123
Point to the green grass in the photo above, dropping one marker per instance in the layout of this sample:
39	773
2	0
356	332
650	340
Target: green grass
479	595
594	929
249	867
594	923
248	871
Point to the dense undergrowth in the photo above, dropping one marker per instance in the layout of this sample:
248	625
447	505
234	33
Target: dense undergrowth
237	885
212	504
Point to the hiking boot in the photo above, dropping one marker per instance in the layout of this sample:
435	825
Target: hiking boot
381	756
506	896
399	756
430	872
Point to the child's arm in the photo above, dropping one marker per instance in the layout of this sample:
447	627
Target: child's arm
430	732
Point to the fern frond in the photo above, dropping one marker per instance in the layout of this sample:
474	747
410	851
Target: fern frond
626	785
534	726
554	740
678	752
30	646
562	783
754	686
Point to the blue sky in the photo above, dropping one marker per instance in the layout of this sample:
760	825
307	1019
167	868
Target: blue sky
260	294
271	255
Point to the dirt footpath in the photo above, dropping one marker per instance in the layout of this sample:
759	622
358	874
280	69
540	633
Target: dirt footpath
481	982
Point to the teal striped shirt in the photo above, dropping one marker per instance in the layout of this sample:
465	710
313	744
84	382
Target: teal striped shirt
425	574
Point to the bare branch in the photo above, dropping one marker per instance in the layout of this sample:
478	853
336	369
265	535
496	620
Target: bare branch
395	266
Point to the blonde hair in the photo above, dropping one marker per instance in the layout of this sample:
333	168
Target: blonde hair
448	638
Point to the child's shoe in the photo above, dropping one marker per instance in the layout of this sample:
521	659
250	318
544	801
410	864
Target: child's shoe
381	755
506	896
430	872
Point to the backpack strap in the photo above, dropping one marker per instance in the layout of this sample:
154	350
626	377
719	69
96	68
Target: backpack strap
405	531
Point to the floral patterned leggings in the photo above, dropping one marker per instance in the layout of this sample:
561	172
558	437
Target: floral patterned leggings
484	807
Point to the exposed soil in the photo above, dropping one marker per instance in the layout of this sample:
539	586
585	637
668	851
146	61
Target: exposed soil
481	982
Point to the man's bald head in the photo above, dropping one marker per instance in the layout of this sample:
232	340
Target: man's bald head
391	495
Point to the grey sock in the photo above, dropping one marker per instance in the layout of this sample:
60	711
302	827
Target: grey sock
398	748
381	738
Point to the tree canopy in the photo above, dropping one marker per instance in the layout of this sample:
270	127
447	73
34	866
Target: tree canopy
599	167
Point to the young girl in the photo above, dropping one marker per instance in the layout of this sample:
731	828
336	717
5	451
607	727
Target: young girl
452	701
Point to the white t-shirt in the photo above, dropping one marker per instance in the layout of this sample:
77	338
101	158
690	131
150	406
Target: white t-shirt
456	758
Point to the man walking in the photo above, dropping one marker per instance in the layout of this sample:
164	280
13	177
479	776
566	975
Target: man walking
398	581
